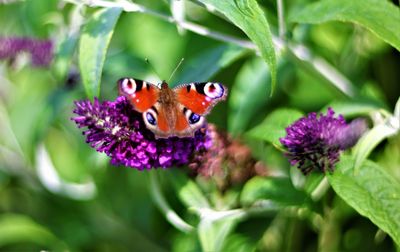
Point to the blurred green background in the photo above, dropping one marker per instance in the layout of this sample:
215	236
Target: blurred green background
57	193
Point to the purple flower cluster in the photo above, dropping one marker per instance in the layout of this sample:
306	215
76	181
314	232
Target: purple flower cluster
114	128
40	51
228	162
314	142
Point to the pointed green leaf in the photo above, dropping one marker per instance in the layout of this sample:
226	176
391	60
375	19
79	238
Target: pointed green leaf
372	192
215	226
161	202
208	63
273	127
245	95
188	191
17	229
67	46
64	56
248	16
93	47
279	191
372	138
353	108
239	242
379	16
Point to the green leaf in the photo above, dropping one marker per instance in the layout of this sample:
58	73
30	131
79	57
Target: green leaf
312	183
372	192
239	242
93	46
29	105
161	202
21	229
178	12
372	138
379	16
64	56
248	16
50	179
353	108
273	127
208	63
245	95
69	166
68	44
280	192
213	234
397	110
185	242
215	227
188	191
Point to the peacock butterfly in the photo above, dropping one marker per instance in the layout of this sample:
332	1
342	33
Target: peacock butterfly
170	112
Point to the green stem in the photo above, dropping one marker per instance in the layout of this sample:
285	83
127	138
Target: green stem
320	190
317	65
300	53
158	197
281	19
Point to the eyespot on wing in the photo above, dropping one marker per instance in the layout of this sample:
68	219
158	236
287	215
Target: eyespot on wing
200	98
141	94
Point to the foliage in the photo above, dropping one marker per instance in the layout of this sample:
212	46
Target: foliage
56	193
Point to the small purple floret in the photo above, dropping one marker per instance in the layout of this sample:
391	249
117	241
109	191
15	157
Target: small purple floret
315	142
114	128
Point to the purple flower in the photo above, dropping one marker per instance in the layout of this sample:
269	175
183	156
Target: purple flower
40	51
314	142
114	128
228	162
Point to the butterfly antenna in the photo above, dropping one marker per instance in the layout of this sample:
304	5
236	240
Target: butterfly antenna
152	68
176	68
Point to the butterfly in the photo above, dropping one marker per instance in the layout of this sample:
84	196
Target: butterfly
170	112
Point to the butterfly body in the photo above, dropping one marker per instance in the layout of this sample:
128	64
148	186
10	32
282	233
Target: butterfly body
172	112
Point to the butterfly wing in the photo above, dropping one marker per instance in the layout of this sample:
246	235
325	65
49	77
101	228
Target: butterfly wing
200	97
194	101
144	98
141	94
172	113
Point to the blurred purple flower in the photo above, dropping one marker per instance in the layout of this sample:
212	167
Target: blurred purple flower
40	51
314	142
228	162
114	128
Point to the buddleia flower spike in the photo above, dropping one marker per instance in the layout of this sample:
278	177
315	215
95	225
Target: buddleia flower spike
316	141
114	128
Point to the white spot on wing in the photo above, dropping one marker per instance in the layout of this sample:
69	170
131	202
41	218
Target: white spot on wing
125	86
216	92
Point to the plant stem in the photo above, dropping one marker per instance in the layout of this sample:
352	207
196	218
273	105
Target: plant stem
298	52
320	190
171	216
281	19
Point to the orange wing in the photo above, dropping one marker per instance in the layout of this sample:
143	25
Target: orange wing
200	98
163	126
142	95
181	123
